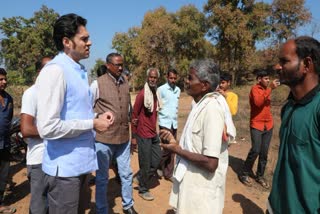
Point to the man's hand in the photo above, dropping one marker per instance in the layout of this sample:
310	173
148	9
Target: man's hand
134	122
107	116
101	125
168	140
274	84
133	147
222	92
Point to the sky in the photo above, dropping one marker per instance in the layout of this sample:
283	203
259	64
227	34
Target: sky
106	17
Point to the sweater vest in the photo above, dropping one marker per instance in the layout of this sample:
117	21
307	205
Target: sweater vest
114	98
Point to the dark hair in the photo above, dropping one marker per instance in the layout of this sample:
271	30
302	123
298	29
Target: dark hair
260	73
102	69
126	72
3	72
308	47
39	64
226	77
111	55
66	26
172	70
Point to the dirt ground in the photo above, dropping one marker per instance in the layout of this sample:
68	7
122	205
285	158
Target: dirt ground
238	198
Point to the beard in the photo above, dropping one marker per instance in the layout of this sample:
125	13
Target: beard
293	78
153	87
172	85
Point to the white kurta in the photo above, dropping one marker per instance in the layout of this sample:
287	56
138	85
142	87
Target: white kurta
201	191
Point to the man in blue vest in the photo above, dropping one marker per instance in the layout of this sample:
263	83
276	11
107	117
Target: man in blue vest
65	118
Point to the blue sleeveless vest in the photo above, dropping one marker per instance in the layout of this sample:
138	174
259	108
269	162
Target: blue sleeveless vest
69	157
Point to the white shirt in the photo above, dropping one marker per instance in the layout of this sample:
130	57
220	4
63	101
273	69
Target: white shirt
51	88
35	145
95	90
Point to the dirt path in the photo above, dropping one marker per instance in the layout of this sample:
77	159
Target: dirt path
239	199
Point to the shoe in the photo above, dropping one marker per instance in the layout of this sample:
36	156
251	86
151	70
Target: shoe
131	210
262	182
146	196
135	180
7	210
245	180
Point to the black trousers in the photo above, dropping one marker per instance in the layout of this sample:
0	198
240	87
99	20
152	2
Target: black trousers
167	159
260	141
149	155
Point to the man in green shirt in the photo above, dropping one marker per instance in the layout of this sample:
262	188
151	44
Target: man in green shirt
296	180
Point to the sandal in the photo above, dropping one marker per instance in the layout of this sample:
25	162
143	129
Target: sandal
7	210
245	180
263	183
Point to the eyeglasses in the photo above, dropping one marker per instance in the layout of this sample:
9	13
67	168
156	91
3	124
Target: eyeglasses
117	65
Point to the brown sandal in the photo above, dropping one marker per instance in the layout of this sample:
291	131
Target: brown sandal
263	183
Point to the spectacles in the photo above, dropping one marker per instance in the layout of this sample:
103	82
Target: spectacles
117	65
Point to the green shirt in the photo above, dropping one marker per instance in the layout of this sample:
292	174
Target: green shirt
296	180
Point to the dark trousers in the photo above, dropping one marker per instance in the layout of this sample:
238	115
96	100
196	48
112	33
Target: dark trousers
4	171
260	145
67	195
149	154
167	159
38	201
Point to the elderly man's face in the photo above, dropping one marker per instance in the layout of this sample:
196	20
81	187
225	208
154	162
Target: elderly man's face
193	86
152	79
115	67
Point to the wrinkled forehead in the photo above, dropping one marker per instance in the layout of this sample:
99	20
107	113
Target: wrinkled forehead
153	73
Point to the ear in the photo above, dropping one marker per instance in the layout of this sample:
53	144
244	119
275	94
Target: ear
259	79
205	86
308	64
107	65
66	42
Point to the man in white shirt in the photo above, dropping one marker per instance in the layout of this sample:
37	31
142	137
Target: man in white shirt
38	201
168	94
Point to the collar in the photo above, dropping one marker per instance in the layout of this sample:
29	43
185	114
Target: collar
307	98
118	81
170	88
75	64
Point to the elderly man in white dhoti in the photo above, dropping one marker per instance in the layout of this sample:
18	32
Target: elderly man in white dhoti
202	160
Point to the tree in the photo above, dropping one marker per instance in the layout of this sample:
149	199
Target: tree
235	26
93	72
287	16
25	41
155	44
124	44
164	40
190	41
